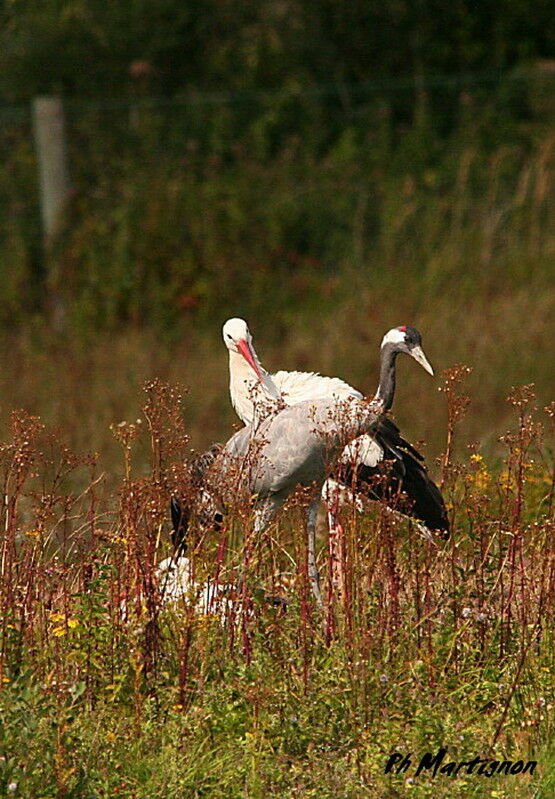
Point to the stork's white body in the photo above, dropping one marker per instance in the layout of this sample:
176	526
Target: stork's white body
249	397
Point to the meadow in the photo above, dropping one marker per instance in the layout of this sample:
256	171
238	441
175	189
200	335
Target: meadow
322	220
114	374
109	691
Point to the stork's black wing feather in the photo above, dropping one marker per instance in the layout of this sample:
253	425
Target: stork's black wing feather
388	431
202	463
423	499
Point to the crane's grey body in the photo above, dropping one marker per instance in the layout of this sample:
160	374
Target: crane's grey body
381	465
296	447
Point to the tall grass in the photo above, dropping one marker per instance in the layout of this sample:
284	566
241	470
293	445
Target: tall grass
322	243
109	691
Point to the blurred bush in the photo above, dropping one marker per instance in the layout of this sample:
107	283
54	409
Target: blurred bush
184	208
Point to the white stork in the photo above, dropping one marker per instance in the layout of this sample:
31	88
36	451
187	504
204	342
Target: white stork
174	580
174	575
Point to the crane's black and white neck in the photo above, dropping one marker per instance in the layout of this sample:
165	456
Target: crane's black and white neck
400	339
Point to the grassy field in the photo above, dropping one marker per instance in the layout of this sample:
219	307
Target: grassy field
81	387
111	347
109	691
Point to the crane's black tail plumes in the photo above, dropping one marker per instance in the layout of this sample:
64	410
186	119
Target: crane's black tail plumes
181	507
400	479
423	498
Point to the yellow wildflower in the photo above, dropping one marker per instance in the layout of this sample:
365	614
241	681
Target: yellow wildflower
481	480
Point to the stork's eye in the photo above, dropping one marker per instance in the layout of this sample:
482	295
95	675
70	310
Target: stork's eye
230	337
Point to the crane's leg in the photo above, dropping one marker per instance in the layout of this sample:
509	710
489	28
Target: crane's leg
313	575
265	513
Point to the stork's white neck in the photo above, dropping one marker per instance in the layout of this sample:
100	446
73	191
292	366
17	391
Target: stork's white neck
247	393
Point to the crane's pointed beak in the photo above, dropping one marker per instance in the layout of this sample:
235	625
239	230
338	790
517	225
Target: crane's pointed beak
247	353
418	355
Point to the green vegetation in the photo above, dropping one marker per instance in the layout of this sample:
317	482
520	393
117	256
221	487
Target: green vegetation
325	170
108	691
85	48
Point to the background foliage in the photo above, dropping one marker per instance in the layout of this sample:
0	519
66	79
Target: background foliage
84	47
326	170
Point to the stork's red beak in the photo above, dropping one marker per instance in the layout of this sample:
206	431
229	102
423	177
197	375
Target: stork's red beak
245	350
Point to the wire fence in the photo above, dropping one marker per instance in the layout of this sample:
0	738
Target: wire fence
218	122
172	189
487	79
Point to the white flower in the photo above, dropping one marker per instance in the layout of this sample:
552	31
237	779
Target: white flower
466	612
12	786
384	678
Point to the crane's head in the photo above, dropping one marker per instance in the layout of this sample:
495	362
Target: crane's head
237	338
407	339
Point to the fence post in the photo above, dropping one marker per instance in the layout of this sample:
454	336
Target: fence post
51	147
55	187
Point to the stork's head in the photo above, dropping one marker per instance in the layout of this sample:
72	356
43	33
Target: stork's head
237	338
407	339
234	331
